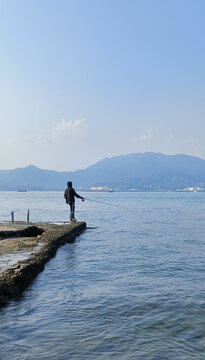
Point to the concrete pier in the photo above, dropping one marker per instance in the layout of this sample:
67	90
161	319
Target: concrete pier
17	236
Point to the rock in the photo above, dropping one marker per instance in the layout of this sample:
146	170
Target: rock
15	280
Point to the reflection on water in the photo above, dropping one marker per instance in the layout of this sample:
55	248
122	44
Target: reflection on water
132	288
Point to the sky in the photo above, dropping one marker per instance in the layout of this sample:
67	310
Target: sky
81	80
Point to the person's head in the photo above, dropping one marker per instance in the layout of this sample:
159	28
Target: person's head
69	183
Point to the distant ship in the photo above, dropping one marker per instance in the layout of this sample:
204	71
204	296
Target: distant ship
22	190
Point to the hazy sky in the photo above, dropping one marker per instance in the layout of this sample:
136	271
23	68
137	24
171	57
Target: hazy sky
81	80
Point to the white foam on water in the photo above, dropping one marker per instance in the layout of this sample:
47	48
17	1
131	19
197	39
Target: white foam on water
8	260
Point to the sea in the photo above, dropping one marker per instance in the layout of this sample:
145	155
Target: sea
132	286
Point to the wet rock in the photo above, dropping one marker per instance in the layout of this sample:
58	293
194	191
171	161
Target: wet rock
15	280
27	232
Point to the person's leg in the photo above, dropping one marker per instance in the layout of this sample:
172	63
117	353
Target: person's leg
72	211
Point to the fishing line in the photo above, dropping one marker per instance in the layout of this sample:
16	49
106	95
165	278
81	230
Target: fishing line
104	203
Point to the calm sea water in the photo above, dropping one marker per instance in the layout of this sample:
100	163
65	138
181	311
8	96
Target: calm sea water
130	287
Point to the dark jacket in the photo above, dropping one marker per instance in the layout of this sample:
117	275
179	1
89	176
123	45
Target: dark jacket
70	195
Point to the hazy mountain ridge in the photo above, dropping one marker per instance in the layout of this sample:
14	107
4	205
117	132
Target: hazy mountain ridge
147	171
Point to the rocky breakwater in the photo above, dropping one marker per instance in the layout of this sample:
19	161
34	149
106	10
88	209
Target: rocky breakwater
15	280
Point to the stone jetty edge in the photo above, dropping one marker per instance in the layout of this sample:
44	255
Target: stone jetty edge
17	278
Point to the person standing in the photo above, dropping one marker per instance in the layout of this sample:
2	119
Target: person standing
70	195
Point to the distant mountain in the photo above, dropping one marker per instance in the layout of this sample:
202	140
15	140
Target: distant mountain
33	178
143	172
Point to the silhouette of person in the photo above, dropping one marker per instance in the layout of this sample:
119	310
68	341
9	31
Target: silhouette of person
70	195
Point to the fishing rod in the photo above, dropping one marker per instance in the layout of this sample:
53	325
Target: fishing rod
101	202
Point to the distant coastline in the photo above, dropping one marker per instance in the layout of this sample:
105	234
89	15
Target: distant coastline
134	172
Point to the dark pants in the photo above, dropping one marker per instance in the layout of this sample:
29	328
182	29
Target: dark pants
72	210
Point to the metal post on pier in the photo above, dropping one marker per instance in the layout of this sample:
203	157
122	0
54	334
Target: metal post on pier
12	216
27	218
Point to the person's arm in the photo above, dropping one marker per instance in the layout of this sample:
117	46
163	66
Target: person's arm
77	195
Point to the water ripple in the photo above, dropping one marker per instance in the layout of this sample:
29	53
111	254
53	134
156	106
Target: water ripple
133	288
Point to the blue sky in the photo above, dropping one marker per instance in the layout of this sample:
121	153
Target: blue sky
86	79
